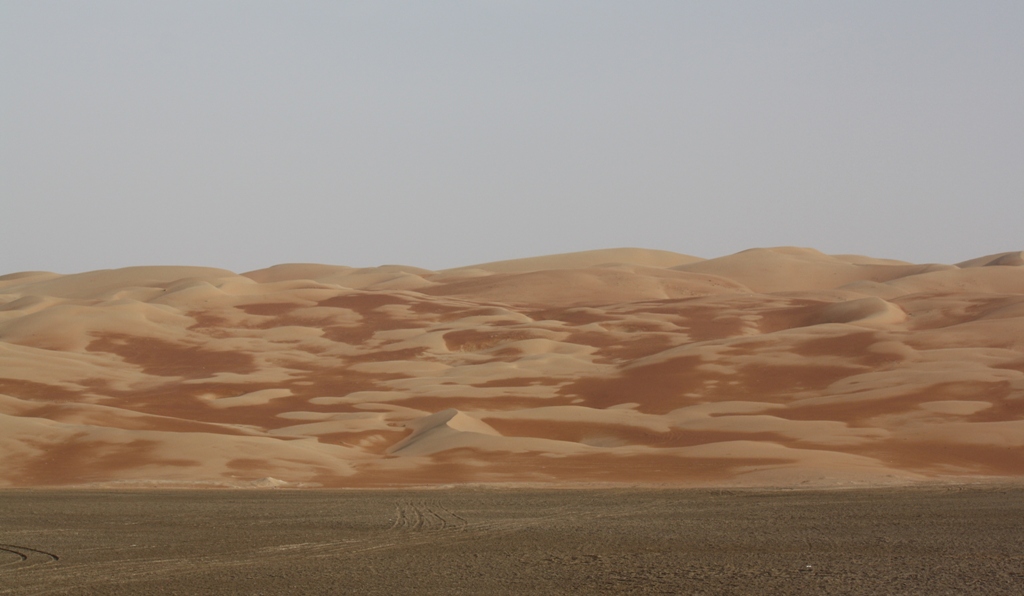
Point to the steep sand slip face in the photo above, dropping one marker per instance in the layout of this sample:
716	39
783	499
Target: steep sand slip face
768	367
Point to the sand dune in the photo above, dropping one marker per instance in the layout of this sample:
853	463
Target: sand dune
770	366
789	269
586	259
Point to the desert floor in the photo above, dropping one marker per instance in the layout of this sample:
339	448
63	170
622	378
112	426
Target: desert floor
919	540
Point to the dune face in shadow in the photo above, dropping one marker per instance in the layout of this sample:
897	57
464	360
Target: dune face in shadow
771	366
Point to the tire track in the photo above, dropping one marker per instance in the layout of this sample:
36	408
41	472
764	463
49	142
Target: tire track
27	555
440	518
460	522
416	524
423	516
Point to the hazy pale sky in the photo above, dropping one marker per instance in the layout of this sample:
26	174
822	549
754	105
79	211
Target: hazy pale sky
438	134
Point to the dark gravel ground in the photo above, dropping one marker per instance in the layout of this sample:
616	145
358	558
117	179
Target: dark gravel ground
938	540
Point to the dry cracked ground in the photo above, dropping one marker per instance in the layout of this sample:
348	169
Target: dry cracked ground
778	366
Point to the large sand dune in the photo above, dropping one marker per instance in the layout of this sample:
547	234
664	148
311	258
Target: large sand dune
770	366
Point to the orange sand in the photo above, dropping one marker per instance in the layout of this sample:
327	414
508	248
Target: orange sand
771	366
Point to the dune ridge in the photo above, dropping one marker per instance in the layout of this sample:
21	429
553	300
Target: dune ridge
772	366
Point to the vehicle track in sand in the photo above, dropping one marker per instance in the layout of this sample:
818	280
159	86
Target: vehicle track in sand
13	554
414	524
419	516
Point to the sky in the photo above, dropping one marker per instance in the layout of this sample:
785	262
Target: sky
440	134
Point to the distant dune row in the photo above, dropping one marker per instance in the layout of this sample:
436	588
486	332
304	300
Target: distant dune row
780	366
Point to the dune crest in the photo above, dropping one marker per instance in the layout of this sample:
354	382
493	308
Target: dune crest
586	259
771	366
435	431
1004	259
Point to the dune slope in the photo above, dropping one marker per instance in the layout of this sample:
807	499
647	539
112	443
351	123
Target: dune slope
769	367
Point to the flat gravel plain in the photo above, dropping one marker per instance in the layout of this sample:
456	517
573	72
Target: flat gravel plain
935	540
